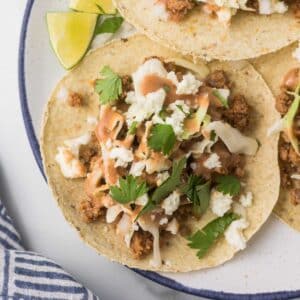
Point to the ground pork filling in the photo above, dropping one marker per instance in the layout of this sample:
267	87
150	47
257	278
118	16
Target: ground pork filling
179	9
119	147
288	158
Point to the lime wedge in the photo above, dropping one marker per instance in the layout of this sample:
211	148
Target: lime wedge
71	34
93	6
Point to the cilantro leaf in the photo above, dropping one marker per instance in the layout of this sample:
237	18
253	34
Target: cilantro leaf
171	183
165	188
129	190
109	25
203	239
228	184
110	87
198	192
133	127
162	138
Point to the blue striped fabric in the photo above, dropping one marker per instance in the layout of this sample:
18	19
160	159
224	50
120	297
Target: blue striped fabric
26	275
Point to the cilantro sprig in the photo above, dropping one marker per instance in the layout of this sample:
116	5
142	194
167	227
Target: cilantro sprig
109	87
198	192
203	239
165	188
162	138
228	185
129	190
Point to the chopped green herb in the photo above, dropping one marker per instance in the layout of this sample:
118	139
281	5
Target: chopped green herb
109	25
203	239
110	87
165	188
171	183
213	135
162	138
133	127
148	207
228	184
198	192
129	190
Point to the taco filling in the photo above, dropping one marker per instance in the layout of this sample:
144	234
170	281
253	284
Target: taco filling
169	145
287	104
177	10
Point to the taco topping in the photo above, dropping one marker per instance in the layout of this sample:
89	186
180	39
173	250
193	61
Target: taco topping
287	103
169	145
177	10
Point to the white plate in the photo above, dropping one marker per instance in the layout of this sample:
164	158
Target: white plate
268	268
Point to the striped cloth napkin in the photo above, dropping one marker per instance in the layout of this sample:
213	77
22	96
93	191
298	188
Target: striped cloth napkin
26	275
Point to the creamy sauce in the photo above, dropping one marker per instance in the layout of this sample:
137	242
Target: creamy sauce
109	125
152	83
148	225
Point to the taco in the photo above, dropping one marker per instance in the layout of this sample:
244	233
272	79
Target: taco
160	163
212	29
284	81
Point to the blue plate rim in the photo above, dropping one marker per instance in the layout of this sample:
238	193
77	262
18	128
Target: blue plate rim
34	144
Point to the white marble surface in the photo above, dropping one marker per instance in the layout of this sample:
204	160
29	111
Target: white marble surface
28	199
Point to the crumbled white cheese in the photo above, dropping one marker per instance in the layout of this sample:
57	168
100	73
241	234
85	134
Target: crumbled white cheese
150	67
213	161
189	85
267	7
162	177
143	107
296	53
220	203
171	203
70	165
280	7
122	156
295	176
246	200
112	213
68	157
234	234
137	168
227	3
172	76
173	226
239	209
163	221
143	200
74	144
179	113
